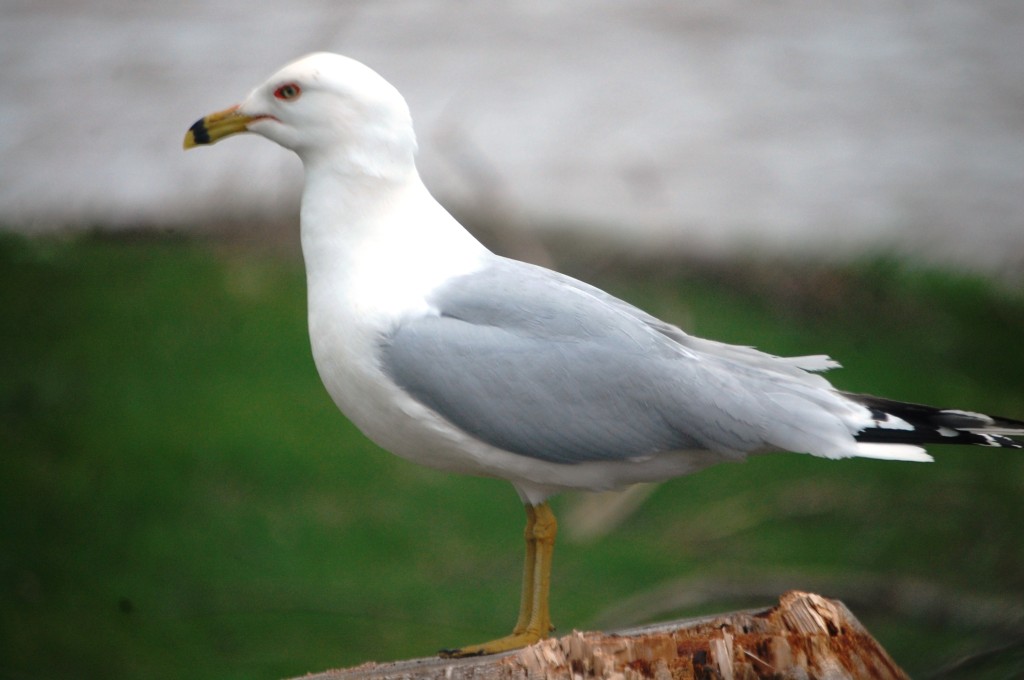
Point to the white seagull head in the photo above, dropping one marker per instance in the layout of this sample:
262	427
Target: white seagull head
326	108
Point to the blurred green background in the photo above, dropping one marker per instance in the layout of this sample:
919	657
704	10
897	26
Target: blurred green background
179	497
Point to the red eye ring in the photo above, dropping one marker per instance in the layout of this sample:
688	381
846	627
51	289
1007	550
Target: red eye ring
288	91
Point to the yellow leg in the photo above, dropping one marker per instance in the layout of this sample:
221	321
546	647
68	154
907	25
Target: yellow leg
534	621
529	568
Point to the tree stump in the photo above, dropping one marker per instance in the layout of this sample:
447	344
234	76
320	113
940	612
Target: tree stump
804	637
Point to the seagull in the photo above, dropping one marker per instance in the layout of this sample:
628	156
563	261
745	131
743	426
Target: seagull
456	358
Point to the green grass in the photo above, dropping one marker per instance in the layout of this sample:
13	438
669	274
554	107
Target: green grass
179	497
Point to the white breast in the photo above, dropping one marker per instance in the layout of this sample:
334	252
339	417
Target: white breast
366	271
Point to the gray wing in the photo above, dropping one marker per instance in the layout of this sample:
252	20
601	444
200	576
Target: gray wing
541	365
794	367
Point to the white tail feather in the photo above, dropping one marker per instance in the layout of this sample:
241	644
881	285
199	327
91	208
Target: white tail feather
893	452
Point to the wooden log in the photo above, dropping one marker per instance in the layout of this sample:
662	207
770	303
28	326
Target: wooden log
804	637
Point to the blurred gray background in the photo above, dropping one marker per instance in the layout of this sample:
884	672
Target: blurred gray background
657	126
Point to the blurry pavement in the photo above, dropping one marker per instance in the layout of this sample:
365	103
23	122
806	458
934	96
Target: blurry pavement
714	127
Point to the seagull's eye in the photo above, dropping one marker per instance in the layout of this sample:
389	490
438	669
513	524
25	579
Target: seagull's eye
288	91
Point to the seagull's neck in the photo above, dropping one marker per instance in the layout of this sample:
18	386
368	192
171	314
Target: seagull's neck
379	240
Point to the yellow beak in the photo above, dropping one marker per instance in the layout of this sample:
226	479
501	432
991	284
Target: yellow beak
217	126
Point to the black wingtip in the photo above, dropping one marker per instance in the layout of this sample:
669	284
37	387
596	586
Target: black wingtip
937	426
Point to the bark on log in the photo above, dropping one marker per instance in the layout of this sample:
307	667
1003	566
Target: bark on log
804	637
